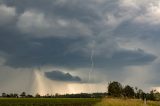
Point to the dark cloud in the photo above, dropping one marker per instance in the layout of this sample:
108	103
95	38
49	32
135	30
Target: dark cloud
124	58
41	52
65	52
56	52
62	34
83	14
61	76
132	57
129	30
79	10
43	43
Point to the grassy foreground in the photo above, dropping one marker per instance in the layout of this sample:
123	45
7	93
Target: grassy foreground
48	101
73	102
126	102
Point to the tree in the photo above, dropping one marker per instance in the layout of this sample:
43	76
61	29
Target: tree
128	91
11	95
29	96
4	95
23	94
152	95
15	95
37	95
115	89
140	94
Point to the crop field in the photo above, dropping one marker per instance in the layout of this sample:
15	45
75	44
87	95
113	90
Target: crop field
126	102
48	101
74	102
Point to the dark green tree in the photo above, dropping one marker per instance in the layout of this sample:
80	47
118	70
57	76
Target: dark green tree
128	91
15	95
152	95
23	94
37	95
115	89
4	95
138	93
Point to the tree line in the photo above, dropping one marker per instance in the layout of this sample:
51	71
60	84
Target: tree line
80	95
114	89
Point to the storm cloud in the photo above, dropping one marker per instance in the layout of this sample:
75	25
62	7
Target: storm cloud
62	34
61	76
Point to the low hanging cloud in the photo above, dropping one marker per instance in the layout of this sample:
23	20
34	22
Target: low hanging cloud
61	76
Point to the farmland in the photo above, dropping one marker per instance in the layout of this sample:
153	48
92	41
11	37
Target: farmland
74	102
48	101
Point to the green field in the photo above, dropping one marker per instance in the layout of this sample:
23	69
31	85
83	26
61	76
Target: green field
48	101
74	102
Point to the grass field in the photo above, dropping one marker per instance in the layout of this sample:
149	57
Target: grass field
73	102
48	102
126	102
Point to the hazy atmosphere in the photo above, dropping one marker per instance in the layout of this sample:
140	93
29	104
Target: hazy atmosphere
74	46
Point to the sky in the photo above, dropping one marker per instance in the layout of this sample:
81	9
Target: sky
74	46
